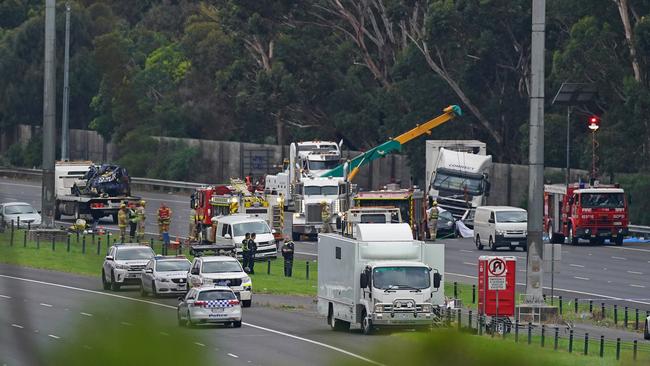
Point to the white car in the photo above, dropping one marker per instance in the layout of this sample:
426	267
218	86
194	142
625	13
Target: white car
165	275
232	229
209	304
222	271
19	210
123	265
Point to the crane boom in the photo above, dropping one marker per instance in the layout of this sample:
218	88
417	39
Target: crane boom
394	144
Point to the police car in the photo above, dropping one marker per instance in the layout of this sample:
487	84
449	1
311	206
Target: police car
209	304
123	265
165	275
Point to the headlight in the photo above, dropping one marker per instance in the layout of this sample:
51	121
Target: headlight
427	308
379	308
500	232
122	266
296	215
246	281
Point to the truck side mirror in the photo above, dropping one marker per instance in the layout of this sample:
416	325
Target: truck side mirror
363	280
195	271
487	189
437	278
491	221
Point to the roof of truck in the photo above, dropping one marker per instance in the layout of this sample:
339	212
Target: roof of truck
384	232
501	208
599	190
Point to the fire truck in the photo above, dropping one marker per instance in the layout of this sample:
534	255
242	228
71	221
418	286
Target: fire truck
223	200
411	203
580	211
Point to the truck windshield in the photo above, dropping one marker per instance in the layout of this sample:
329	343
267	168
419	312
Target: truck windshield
257	227
602	200
322	165
512	216
401	277
460	184
373	219
403	205
321	191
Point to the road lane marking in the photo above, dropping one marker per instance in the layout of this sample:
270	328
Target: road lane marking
199	344
86	314
466	251
635	272
621	258
632	249
469	263
310	254
53	336
582	278
232	355
17	326
288	335
46	305
638	286
9	297
562	290
576	265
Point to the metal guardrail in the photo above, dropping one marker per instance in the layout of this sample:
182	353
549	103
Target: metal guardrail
639	229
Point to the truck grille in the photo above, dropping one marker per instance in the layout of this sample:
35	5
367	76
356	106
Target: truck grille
456	207
389	308
313	213
228	281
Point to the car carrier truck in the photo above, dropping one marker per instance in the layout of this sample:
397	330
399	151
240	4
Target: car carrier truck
378	276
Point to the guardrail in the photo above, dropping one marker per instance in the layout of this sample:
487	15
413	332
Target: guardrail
639	229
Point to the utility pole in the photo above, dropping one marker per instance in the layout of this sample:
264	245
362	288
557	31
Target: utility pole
534	274
49	115
65	131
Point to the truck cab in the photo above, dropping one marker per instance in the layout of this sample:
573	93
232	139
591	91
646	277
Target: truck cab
310	194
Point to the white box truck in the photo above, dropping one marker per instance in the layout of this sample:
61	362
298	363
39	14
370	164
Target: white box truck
457	175
380	278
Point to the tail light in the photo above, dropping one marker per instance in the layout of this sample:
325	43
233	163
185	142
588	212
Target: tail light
200	303
233	302
97	205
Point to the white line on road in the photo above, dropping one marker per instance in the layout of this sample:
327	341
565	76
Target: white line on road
582	278
310	254
232	355
635	272
466	251
17	326
621	258
53	336
632	249
469	263
199	344
288	335
639	286
576	265
46	305
5	297
86	314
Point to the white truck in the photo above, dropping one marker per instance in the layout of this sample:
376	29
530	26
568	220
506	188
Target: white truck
100	196
381	277
457	175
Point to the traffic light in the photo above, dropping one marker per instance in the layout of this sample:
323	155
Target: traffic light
594	123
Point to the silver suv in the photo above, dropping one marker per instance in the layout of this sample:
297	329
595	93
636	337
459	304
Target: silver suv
165	275
123	265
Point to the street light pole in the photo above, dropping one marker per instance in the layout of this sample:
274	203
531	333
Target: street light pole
49	115
65	131
568	148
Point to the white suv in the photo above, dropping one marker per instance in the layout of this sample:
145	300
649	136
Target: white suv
165	275
123	265
222	271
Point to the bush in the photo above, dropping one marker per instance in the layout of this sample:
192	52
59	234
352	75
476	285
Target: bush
29	156
637	187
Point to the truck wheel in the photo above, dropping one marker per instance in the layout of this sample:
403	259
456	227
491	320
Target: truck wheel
572	239
105	285
491	244
479	246
619	241
247	303
366	324
236	324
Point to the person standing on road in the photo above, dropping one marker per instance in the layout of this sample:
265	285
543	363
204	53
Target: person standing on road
122	216
432	214
325	215
287	254
141	214
245	252
252	249
164	219
133	224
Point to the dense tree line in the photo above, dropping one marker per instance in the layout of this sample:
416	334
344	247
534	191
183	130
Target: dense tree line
358	70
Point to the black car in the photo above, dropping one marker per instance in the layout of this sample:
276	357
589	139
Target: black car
446	225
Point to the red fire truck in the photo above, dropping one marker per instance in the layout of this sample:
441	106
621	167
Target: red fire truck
580	211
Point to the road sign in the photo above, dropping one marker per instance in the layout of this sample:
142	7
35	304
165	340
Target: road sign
497	267
497	283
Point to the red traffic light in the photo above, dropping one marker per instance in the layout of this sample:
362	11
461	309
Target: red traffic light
594	123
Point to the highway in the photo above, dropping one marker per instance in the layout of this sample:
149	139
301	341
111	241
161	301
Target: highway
40	310
603	273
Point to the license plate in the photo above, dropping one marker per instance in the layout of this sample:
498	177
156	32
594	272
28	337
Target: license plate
217	310
514	243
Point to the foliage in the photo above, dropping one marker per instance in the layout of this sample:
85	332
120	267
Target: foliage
637	187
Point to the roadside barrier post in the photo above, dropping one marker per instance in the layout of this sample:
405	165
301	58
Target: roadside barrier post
469	322
480	324
67	243
11	240
530	332
307	270
602	346
455	290
543	331
38	241
473	294
83	245
99	245
575	306
555	341
636	319
108	237
53	242
625	317
448	316
458	320
93	238
571	341
586	343
516	331
615	314
602	309
560	301
77	237
151	243
591	306
29	226
635	348
268	266
25	239
618	349
18	223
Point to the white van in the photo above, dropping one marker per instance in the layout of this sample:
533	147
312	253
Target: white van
501	226
233	228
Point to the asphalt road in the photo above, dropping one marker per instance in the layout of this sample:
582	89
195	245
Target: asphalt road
40	311
604	273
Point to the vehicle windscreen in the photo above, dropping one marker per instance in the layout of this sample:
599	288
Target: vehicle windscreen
602	200
19	209
172	266
373	219
257	227
216	295
322	165
221	267
400	277
129	254
445	216
512	216
403	205
459	184
321	191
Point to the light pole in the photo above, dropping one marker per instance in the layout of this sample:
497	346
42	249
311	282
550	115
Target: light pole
594	125
49	115
65	131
